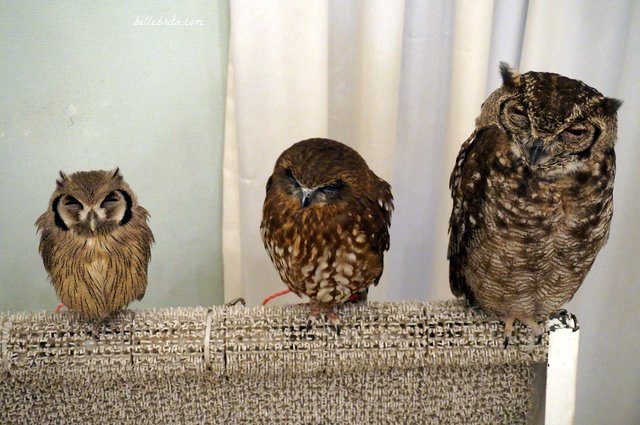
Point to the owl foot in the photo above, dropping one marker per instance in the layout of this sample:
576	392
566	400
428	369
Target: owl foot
569	320
535	327
330	316
313	318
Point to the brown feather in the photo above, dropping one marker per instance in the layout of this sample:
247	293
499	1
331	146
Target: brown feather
333	249
525	231
97	273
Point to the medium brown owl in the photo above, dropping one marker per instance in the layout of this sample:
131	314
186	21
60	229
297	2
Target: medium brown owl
532	196
325	223
95	243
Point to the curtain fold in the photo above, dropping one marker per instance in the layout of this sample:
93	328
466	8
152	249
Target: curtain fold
420	186
597	43
402	82
279	57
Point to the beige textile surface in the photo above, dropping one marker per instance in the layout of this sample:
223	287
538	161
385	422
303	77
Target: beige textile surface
434	362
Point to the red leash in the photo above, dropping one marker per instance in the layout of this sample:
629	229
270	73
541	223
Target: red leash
353	297
57	310
276	295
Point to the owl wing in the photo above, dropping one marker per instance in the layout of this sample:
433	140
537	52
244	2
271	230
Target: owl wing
380	210
46	246
139	241
378	225
468	184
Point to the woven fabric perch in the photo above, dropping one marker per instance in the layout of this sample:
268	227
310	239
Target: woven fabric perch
433	362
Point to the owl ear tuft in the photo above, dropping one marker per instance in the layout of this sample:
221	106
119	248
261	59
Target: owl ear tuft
510	77
611	105
115	174
61	180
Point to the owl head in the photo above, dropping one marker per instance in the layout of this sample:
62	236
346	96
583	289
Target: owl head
92	203
553	120
317	172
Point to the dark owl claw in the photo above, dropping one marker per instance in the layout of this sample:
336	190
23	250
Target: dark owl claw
539	339
506	342
568	320
309	325
575	322
337	328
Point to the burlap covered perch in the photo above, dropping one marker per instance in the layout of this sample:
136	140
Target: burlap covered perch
397	363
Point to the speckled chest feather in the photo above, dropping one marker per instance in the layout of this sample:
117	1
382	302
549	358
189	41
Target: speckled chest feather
530	236
326	258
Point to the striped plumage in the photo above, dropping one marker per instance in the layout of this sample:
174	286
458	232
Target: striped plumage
95	243
532	196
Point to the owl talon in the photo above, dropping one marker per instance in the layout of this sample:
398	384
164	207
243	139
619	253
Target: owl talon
575	327
508	329
312	319
568	320
334	321
561	312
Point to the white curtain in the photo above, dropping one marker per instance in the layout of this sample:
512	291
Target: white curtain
402	82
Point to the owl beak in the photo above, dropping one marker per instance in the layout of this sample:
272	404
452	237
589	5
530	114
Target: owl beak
307	195
536	151
93	220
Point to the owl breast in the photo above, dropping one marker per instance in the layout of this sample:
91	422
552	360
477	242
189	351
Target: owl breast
98	279
326	258
536	234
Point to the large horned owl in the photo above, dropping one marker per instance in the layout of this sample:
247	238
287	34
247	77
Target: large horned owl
532	196
95	243
325	223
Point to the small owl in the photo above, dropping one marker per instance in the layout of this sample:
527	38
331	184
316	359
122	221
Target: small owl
95	243
532	196
325	223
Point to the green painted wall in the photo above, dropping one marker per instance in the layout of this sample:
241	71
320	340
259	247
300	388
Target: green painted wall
83	87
